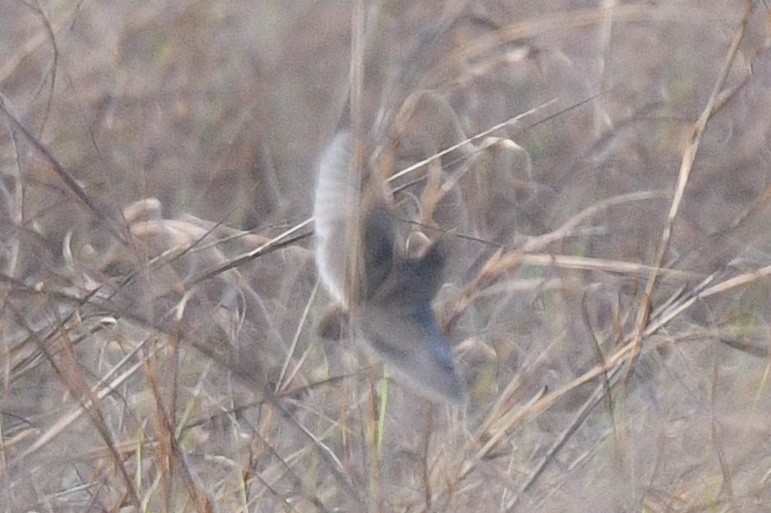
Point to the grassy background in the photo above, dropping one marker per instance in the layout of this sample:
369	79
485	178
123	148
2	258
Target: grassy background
615	347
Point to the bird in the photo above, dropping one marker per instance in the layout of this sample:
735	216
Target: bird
388	295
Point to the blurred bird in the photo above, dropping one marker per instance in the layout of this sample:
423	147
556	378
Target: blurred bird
389	296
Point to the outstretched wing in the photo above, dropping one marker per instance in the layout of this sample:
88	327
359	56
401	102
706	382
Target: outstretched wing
334	192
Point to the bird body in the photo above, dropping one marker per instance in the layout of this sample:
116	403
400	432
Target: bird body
388	295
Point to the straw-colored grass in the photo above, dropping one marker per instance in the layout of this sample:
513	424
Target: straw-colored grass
599	173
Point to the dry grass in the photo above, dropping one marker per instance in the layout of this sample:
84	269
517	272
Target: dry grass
601	174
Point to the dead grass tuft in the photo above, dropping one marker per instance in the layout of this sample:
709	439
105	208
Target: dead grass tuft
600	177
